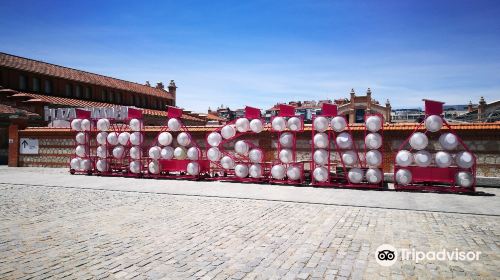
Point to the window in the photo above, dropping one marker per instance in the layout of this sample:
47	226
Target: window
78	91
68	90
23	82
87	93
118	97
104	95
48	87
111	97
36	84
137	101
144	101
154	104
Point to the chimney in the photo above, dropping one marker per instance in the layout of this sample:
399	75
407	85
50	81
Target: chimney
160	86
352	95
469	107
481	108
172	88
148	84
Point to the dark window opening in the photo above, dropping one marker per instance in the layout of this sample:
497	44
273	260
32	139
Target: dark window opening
68	90
23	82
360	116
48	87
78	91
36	84
118	98
104	95
111	97
87	93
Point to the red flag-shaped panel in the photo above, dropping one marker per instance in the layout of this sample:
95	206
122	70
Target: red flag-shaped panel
286	110
174	112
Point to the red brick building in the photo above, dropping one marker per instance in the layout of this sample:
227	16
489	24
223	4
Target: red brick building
29	86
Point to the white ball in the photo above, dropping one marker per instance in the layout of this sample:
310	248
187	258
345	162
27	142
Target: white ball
184	139
373	123
154	167
167	153
241	147
165	138
419	141
136	138
102	165
154	152
227	162
422	158
228	131
242	124
76	124
86	125
119	152
241	170
294	124
85	164
443	159
103	124
255	155
320	174
286	140
355	175
374	175
75	163
278	172
464	179
81	138
373	141
404	158
135	125
464	159
448	141
123	138
293	173
321	140
373	158
256	125
135	152
278	124
81	151
112	138
320	124
433	123
213	154
102	152
193	168
403	177
180	153
320	157
193	153
349	158
286	156
174	124
214	139
344	140
135	166
338	124
101	138
255	171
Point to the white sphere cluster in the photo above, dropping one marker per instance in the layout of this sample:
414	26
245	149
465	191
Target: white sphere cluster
81	125
373	123
228	131
174	124
355	175
103	124
256	126
278	172
278	124
242	125
135	125
320	174
294	124
241	170
255	171
80	164
293	173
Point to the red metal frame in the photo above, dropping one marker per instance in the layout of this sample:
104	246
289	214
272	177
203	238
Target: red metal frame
175	168
288	111
121	167
434	178
221	174
83	114
341	180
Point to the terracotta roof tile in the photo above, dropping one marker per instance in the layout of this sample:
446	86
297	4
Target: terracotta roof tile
40	67
9	110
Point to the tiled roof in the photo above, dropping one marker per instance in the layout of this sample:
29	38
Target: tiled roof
56	100
9	110
44	68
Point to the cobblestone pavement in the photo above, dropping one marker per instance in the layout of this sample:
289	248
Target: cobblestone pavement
54	232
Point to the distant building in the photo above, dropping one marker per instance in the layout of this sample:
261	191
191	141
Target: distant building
354	108
407	115
482	112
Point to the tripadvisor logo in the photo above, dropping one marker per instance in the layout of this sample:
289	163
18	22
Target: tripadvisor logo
387	255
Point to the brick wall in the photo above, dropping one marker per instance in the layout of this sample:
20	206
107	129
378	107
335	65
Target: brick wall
56	145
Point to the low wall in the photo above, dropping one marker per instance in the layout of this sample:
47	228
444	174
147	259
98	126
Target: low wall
56	146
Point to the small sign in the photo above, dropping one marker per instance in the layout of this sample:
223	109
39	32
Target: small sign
11	140
28	146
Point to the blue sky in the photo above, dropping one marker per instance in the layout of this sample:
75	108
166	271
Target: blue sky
259	53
